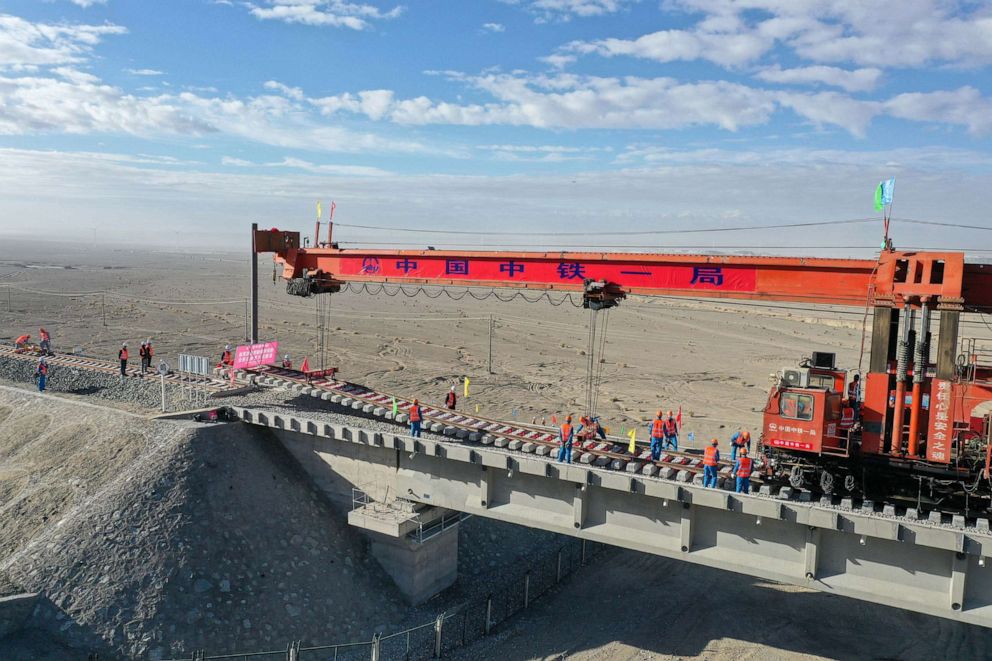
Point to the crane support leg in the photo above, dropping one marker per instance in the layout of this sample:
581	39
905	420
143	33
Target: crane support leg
947	343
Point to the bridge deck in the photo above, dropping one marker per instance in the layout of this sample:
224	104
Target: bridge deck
897	561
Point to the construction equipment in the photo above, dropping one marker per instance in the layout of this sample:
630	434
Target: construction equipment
924	423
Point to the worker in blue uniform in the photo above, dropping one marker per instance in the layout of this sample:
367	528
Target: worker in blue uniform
740	439
567	436
711	459
657	434
742	471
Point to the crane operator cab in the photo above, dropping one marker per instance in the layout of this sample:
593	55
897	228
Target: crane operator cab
807	409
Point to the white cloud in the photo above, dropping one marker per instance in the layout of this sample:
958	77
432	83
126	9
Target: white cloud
307	166
85	4
964	106
563	10
858	80
285	90
145	72
493	27
916	33
24	45
329	13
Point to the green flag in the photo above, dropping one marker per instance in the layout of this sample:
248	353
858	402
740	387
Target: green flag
394	407
878	198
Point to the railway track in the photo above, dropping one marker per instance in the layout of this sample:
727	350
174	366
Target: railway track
209	384
612	453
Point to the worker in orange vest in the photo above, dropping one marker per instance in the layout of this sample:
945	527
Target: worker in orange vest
740	440
416	417
657	433
122	356
41	374
451	399
22	341
742	471
46	340
671	429
567	436
226	359
711	458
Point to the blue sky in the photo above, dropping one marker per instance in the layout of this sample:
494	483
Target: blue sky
576	115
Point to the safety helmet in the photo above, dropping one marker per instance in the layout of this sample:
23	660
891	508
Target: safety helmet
568	418
746	434
661	413
416	401
714	442
452	389
744	450
669	414
286	356
123	344
227	347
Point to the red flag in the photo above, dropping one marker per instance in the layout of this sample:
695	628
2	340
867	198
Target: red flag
305	367
678	418
554	419
333	207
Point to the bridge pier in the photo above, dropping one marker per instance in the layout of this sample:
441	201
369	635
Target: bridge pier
420	569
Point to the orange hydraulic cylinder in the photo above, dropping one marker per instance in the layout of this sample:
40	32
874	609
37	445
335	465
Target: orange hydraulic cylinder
897	418
914	420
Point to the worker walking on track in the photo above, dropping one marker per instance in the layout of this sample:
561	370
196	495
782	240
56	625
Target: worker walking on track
671	430
565	440
657	434
451	399
122	356
711	459
41	374
416	418
46	340
742	471
741	440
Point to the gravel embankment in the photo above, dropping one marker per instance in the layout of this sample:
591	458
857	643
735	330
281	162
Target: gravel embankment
154	537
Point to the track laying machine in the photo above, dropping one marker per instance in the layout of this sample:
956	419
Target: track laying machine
921	427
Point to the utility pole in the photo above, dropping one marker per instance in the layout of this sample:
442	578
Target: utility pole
103	307
491	324
246	320
254	286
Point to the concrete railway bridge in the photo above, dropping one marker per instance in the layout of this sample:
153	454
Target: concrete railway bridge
408	485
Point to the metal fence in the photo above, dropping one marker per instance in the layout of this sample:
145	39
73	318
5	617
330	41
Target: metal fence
453	629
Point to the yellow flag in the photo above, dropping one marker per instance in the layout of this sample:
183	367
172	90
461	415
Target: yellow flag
318	209
633	437
476	408
466	386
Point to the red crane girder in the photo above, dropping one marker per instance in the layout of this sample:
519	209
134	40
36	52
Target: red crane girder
895	278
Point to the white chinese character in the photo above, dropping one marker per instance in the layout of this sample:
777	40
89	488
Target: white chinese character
940	426
939	436
942	416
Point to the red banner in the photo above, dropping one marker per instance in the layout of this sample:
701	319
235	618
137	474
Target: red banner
550	272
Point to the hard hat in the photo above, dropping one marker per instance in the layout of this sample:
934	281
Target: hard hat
416	401
714	442
744	450
746	434
452	389
660	413
123	344
227	347
669	414
568	418
286	356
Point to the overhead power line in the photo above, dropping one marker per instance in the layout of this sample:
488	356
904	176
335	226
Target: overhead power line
615	233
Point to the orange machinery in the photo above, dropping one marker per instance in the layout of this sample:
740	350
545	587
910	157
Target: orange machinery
916	411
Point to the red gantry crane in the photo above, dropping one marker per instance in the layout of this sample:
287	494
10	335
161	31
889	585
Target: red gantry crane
924	422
